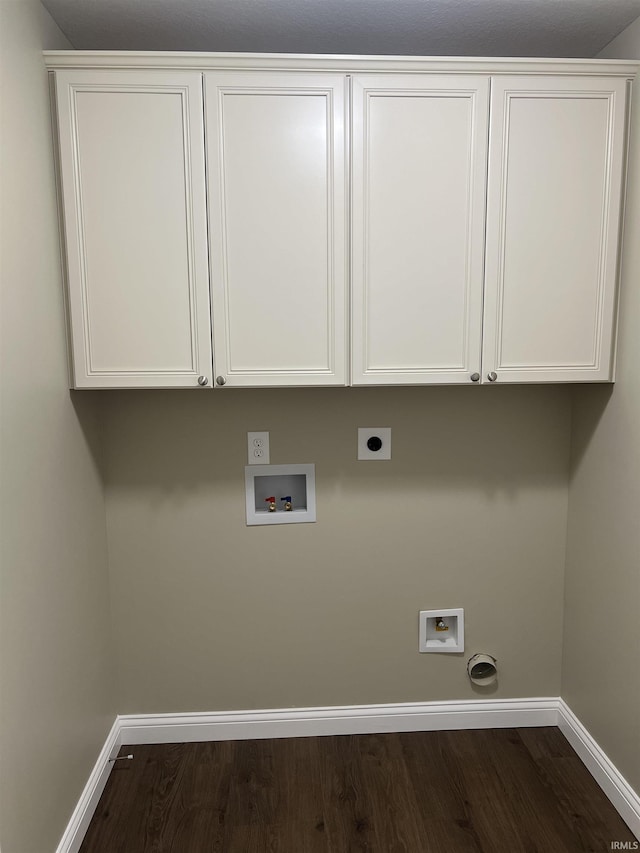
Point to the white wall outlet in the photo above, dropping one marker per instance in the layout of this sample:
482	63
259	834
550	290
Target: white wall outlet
374	443
442	630
258	448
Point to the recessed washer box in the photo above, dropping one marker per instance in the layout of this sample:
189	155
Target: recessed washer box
442	630
287	485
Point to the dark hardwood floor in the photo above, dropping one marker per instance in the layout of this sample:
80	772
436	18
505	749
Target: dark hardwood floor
487	791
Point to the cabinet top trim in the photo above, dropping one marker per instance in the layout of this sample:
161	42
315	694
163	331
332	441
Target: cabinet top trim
55	59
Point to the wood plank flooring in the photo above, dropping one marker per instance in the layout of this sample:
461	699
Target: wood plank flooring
483	791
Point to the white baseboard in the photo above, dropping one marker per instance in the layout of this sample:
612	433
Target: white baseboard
83	812
352	719
615	786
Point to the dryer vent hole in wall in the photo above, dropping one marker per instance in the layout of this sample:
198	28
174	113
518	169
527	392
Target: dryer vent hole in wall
482	670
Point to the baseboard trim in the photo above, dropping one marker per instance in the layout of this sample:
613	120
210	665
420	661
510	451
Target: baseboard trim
624	799
83	812
352	719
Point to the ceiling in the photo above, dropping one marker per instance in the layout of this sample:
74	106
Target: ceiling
554	28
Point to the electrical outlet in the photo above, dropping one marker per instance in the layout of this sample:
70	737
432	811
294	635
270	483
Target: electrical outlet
258	448
374	443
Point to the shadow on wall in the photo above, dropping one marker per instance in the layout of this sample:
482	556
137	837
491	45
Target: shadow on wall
494	439
89	411
590	403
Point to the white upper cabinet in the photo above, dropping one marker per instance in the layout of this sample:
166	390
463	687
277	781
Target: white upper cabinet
133	186
556	172
419	180
276	157
245	221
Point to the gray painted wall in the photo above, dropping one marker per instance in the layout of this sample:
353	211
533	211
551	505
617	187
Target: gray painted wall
58	698
601	680
470	512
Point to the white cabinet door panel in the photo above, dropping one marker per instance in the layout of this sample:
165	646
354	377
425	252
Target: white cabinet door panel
132	173
419	176
555	182
276	160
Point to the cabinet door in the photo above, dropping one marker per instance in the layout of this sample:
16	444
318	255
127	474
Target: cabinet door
419	178
134	199
276	165
555	183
